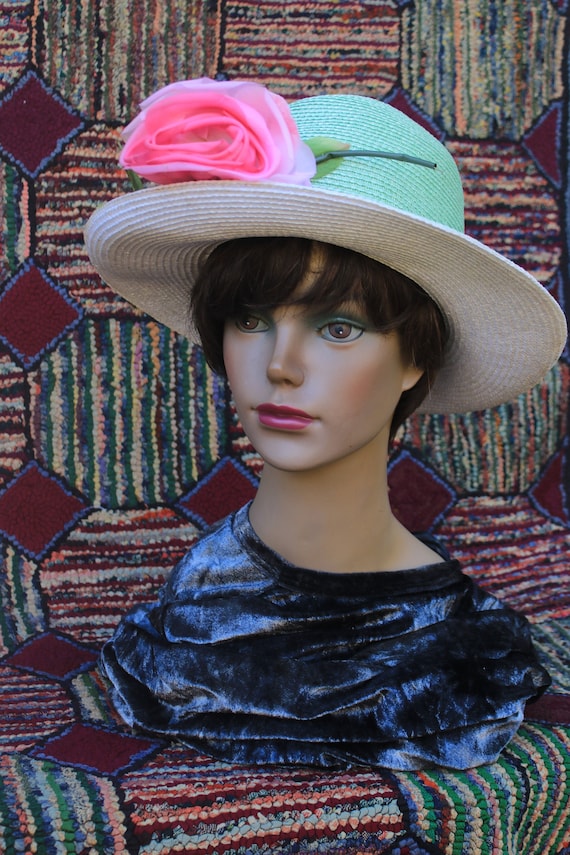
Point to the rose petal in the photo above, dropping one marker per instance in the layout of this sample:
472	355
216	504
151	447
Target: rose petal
203	129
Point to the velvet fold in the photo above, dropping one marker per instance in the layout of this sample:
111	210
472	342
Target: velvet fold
251	659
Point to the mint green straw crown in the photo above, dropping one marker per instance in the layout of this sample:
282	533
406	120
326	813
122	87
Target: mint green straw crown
435	194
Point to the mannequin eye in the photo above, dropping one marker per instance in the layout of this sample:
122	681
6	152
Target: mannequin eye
341	331
251	323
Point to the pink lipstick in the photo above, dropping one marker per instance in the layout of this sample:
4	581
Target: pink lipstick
283	418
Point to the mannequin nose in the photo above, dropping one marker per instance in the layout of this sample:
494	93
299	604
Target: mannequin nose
285	360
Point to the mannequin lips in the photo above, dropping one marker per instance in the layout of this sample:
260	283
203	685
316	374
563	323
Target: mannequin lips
283	418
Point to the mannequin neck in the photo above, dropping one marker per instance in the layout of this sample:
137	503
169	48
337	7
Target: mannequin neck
335	518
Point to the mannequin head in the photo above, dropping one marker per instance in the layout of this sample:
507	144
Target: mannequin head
261	274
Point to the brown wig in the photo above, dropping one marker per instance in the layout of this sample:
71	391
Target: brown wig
259	274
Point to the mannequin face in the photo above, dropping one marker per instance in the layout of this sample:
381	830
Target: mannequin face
341	378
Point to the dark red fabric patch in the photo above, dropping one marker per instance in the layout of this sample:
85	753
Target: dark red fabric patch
547	494
417	496
96	749
552	709
34	124
33	313
52	655
543	143
35	509
224	490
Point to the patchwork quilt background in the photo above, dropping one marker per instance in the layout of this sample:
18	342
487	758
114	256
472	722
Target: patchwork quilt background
118	445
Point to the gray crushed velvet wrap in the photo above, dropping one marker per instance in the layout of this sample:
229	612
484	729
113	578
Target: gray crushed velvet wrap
251	659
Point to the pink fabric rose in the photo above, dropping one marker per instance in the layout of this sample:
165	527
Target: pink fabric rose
196	130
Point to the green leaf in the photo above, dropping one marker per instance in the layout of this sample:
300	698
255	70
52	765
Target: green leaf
136	180
324	145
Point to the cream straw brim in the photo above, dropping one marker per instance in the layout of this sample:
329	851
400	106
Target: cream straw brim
507	331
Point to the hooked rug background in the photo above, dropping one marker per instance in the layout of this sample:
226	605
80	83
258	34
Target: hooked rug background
118	445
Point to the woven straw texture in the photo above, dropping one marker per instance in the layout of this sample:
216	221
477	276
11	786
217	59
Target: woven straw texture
118	445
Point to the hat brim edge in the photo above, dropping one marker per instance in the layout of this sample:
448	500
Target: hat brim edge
147	246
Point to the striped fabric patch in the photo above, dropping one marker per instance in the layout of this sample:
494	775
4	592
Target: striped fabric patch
22	613
46	706
229	810
323	47
129	412
91	697
81	48
474	67
13	41
552	639
501	450
112	561
83	176
517	215
14	219
61	809
523	561
493	809
13	390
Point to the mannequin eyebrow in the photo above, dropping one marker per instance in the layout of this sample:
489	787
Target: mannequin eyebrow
349	311
315	313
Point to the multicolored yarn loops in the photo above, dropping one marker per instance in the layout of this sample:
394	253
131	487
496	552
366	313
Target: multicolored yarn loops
118	445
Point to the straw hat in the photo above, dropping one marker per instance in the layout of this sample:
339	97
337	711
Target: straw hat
506	330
